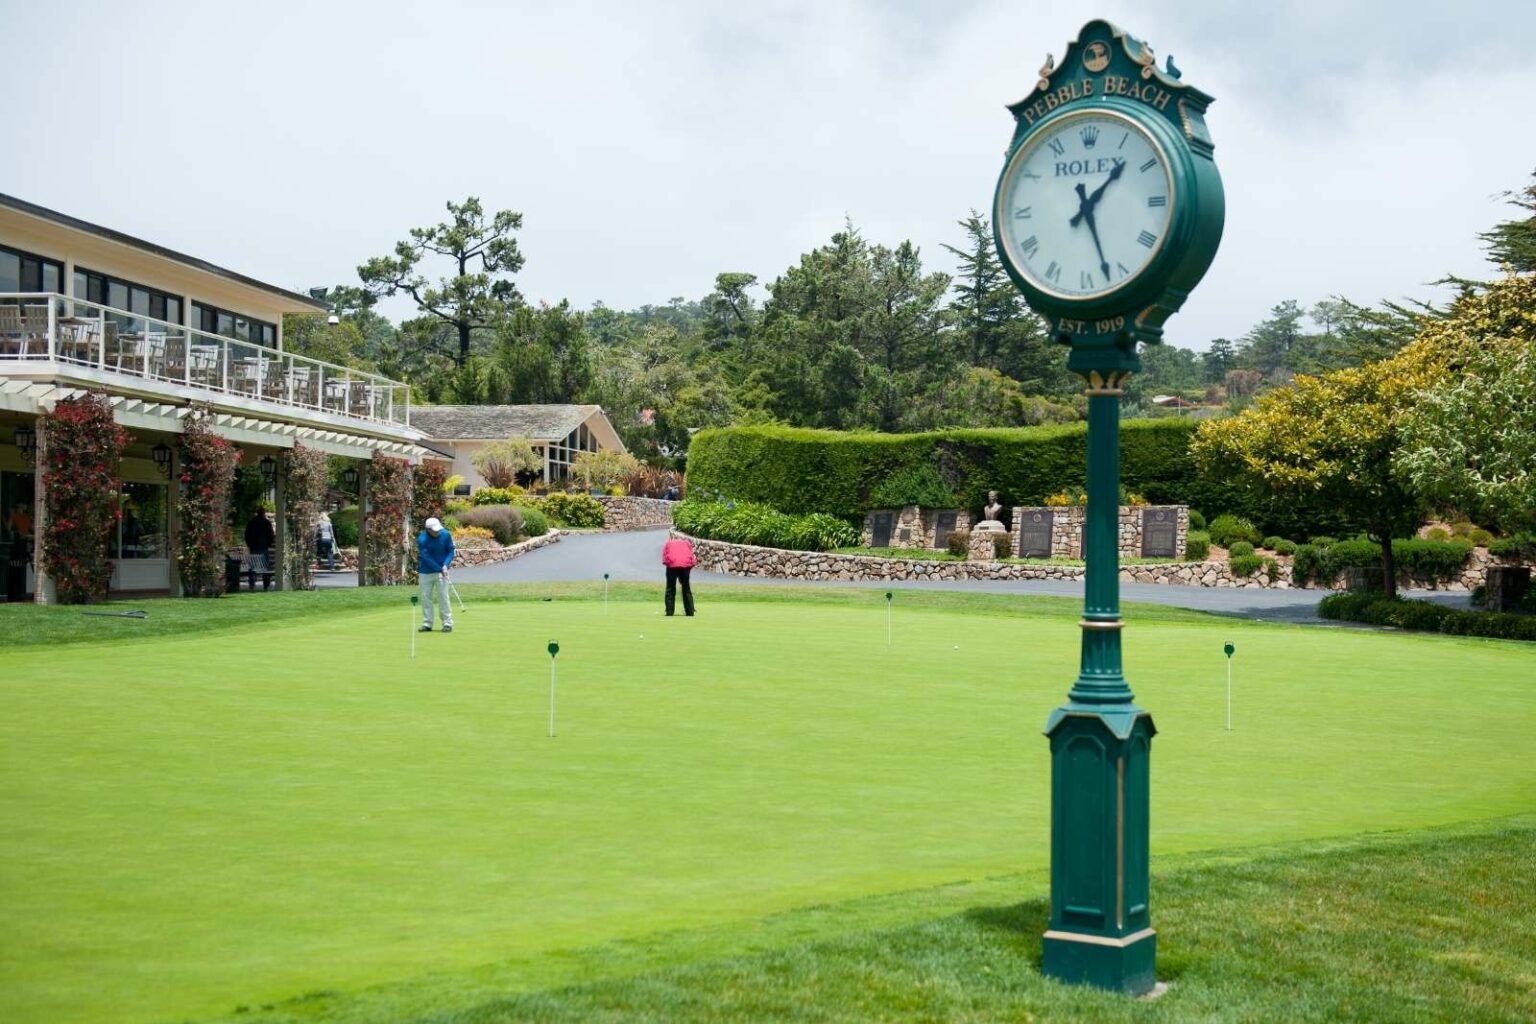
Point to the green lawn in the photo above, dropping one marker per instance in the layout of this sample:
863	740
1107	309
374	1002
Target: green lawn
196	821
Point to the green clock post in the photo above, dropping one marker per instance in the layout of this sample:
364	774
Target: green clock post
1108	212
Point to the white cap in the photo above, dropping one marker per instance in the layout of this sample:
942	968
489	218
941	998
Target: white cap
434	524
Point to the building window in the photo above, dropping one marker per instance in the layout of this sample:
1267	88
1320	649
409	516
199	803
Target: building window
125	295
222	322
24	272
141	531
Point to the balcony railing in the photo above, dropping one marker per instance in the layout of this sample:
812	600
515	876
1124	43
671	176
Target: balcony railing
44	327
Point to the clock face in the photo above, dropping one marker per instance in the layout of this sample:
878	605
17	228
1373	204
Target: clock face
1085	205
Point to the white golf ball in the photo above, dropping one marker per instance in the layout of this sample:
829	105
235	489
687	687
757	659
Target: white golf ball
642	636
957	647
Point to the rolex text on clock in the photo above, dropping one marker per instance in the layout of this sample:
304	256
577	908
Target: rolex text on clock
1085	204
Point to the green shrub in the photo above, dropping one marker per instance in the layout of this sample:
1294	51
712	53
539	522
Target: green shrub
913	485
1425	615
1309	563
496	495
1480	538
1239	549
1437	533
754	523
535	523
960	543
1226	529
1323	542
1281	546
1002	546
344	523
1479	597
504	521
1462	529
581	511
455	505
1271	569
1520	546
1196	520
1245	565
451	523
800	470
1197	546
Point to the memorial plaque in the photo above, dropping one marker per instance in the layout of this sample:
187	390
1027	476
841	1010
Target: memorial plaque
943	527
1035	535
881	533
1159	533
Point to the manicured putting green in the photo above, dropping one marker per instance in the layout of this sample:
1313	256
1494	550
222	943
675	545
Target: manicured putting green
237	818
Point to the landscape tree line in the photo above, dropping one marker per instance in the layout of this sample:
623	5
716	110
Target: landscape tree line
854	335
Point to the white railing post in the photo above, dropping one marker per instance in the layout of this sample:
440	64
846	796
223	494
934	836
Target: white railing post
53	327
101	338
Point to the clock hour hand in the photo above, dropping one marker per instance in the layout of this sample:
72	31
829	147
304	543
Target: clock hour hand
1087	202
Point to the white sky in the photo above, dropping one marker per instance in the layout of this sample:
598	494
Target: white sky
650	146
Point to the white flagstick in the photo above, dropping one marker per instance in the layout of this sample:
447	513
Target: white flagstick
888	596
605	593
413	625
1229	649
553	649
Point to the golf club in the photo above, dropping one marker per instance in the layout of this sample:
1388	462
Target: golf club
455	592
119	615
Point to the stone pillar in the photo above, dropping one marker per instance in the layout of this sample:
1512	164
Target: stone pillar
981	548
280	528
362	524
42	586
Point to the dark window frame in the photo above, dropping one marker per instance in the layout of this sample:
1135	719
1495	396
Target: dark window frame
260	332
106	281
41	261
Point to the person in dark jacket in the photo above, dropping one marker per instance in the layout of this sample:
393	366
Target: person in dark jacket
259	538
434	553
678	558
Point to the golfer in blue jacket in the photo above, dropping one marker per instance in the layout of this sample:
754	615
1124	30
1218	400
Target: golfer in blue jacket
434	553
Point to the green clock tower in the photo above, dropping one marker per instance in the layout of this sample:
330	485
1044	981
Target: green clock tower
1108	212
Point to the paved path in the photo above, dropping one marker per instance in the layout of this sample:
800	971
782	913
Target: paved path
636	556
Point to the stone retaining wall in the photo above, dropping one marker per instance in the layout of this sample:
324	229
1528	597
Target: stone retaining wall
346	558
747	560
630	513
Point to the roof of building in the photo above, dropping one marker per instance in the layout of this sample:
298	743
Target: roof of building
42	212
495	422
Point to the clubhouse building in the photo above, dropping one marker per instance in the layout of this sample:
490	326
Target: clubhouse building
85	308
558	434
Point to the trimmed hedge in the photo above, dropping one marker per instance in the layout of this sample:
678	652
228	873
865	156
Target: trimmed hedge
497	496
1227	530
753	523
1426	615
801	470
1197	546
535	523
1429	559
581	511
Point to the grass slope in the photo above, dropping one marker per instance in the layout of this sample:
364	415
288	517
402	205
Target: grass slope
208	819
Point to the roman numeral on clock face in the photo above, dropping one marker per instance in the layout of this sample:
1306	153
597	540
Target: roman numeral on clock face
1147	239
1022	213
1121	267
1058	147
1157	200
1029	245
1149	165
1085	279
1053	272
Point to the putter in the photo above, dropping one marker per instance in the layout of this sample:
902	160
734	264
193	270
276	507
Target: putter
119	615
455	592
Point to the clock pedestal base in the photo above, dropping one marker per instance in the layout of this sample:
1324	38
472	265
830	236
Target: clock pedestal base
1125	965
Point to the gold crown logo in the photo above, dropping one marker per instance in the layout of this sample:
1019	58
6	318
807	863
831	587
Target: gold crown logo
1090	136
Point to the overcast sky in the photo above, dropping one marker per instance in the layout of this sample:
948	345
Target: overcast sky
650	146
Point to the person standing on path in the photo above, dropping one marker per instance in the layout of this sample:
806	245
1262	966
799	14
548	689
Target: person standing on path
325	541
434	553
259	538
678	557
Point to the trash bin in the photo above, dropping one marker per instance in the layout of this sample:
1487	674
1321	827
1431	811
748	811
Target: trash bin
232	573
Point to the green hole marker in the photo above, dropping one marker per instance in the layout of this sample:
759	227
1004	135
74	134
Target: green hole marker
1229	649
553	649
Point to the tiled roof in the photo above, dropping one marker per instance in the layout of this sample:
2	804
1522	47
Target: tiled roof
495	422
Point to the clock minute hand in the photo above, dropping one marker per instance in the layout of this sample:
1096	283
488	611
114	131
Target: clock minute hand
1085	212
1089	202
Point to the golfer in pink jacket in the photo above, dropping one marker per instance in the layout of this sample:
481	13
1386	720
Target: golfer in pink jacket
677	555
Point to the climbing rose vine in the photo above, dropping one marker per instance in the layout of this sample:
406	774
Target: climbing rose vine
382	543
303	472
427	482
207	474
83	451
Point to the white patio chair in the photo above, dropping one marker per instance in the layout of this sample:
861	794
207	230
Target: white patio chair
34	339
12	330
